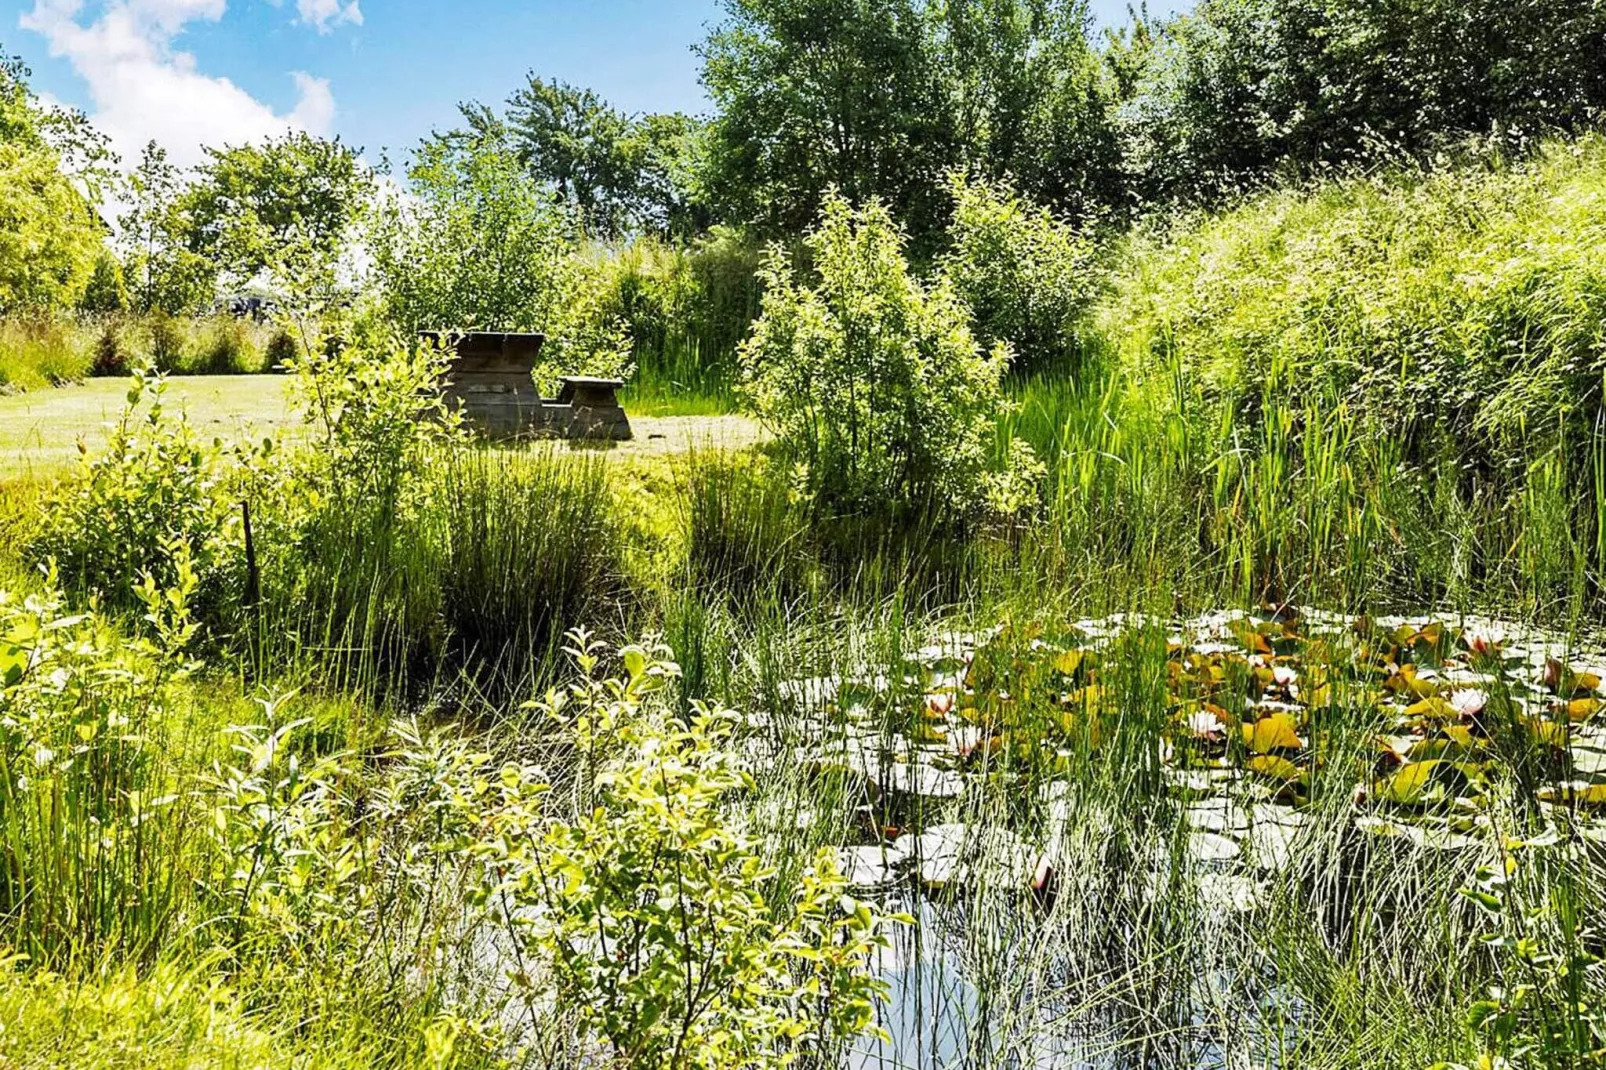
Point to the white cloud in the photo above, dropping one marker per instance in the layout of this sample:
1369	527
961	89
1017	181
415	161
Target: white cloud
325	15
145	89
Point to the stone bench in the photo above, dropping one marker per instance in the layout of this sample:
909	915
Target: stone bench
489	381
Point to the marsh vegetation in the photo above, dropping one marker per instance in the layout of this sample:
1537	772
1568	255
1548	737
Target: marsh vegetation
1159	626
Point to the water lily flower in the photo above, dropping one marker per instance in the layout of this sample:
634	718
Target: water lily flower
1284	676
941	703
1469	703
966	739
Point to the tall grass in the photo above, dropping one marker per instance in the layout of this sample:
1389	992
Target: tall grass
39	352
42	351
687	308
473	583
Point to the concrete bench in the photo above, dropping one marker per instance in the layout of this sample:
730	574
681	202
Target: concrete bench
490	382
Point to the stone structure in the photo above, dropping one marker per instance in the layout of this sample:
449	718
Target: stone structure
489	382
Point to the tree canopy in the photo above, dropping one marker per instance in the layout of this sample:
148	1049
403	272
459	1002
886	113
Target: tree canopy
50	233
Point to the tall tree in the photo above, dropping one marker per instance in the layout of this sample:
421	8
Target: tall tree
165	274
1029	98
821	94
50	234
251	204
883	99
622	173
1240	88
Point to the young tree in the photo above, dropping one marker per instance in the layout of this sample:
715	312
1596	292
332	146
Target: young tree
155	234
105	291
879	394
250	204
1026	274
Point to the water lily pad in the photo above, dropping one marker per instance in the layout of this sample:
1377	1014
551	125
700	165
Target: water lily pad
1584	796
1274	733
871	866
1213	847
1275	768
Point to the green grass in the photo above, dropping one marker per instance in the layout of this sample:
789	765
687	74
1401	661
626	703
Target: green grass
40	430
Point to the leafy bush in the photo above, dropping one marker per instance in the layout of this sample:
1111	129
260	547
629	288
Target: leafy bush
151	503
89	864
876	388
375	405
280	351
667	936
1026	274
485	247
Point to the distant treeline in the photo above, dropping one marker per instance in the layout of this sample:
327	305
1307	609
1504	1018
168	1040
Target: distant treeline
883	100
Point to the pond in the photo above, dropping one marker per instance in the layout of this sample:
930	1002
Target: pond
1122	841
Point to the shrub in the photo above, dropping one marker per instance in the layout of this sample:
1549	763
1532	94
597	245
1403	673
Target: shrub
150	503
90	862
226	346
112	353
876	388
667	936
1026	274
281	350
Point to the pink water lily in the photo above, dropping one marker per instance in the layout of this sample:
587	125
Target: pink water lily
1469	703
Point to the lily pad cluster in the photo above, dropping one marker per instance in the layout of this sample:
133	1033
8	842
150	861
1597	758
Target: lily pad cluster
1255	718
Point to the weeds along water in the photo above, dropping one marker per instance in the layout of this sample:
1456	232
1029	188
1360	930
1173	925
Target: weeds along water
1114	853
1267	733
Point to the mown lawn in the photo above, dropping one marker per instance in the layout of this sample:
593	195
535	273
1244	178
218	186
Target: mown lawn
40	431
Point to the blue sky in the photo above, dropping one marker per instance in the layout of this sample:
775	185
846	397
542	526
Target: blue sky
380	73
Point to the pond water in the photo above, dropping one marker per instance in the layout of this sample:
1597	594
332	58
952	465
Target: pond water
1397	743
